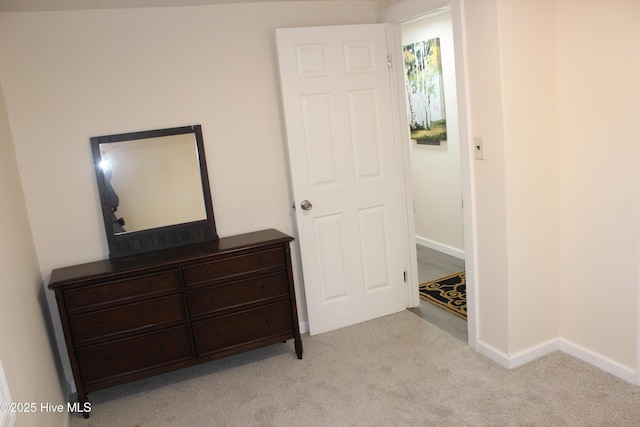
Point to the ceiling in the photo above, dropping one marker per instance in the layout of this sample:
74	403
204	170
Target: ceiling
42	5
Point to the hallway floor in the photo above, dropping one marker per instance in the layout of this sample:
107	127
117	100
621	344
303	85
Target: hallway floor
433	265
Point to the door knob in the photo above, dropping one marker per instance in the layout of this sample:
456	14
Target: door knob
306	205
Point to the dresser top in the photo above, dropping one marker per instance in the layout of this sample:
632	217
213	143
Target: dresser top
165	258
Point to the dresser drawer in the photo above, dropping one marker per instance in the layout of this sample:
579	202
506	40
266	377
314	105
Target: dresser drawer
126	318
134	354
122	289
242	328
236	294
234	266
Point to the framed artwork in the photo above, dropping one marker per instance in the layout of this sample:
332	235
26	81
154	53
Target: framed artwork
425	92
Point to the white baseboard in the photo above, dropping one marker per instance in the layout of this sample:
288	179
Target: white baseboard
304	327
517	359
599	361
523	357
494	354
440	247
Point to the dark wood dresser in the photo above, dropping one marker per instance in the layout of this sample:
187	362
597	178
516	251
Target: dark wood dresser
137	316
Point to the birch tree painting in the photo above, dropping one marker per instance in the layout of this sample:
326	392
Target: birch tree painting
425	91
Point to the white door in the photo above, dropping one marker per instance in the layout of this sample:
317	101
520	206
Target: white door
337	104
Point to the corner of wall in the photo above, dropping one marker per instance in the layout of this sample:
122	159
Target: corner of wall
521	358
512	361
7	418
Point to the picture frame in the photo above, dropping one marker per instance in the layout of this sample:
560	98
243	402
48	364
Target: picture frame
425	92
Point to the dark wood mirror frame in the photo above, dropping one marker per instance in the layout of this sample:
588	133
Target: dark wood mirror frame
153	239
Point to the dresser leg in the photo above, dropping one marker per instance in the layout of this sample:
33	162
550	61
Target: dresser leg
85	405
298	346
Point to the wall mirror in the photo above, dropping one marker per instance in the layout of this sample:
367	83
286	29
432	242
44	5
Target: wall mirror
154	189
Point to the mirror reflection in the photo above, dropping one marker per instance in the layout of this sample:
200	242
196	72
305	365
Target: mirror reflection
153	182
154	189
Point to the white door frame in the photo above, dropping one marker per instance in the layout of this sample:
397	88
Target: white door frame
395	15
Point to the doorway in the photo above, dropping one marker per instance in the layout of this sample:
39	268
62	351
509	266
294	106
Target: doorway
435	164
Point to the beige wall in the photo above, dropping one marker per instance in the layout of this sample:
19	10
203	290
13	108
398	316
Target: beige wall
482	38
554	92
436	168
72	75
599	134
556	206
25	347
79	74
528	62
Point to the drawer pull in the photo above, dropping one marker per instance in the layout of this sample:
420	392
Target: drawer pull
269	322
209	272
152	284
107	360
218	334
94	296
260	261
163	347
156	311
264	288
213	300
100	324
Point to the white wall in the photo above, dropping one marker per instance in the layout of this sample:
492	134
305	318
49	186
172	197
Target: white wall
436	168
25	347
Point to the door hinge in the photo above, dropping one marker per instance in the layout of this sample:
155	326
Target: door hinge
389	60
405	276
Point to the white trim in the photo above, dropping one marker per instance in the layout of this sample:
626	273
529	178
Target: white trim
494	354
599	361
401	134
410	9
440	247
520	358
7	419
467	155
529	355
558	344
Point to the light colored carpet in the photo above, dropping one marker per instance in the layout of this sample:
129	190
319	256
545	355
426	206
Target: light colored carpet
394	371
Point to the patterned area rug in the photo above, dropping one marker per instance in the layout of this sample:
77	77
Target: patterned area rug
449	293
